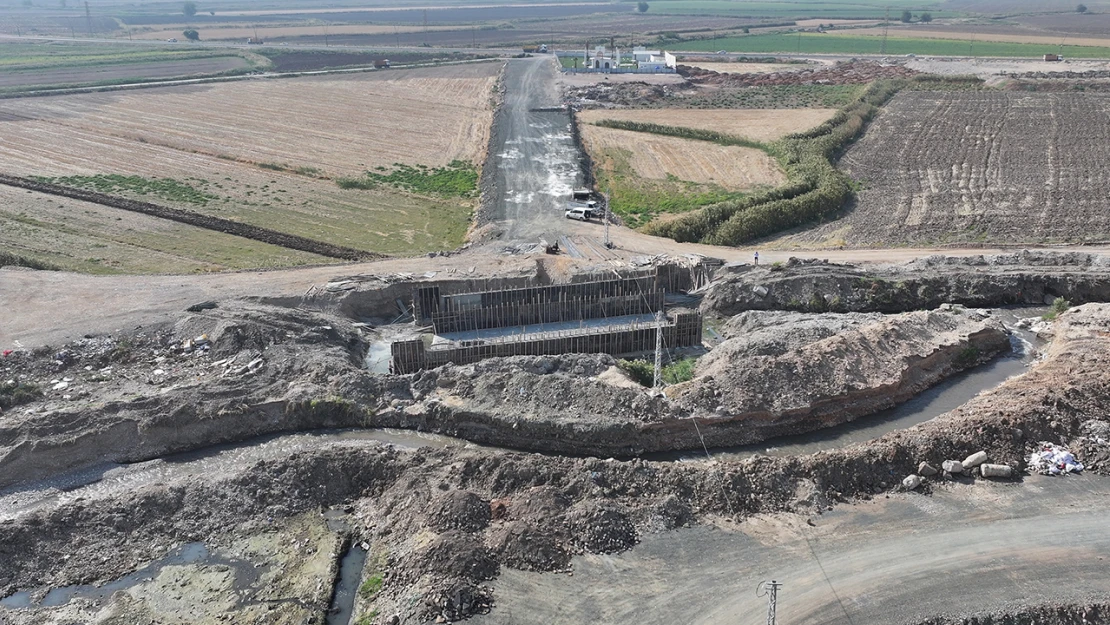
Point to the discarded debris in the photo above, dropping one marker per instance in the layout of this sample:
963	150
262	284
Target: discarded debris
1052	459
974	459
952	466
912	482
926	469
202	306
996	470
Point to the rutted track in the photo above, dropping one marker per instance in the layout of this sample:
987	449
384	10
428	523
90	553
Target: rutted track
247	231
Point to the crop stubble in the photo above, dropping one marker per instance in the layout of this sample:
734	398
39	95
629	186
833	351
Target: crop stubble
657	156
755	124
999	167
214	137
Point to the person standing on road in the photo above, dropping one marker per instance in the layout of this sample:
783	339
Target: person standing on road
757	258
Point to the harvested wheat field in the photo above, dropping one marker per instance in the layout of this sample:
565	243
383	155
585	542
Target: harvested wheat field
266	152
80	236
755	124
1003	167
660	157
235	30
339	124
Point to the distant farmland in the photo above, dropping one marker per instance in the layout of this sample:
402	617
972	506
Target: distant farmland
998	167
266	153
896	46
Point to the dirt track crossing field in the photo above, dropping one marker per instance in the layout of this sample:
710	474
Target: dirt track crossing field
998	167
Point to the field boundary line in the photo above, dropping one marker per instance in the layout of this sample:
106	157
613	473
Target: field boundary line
191	218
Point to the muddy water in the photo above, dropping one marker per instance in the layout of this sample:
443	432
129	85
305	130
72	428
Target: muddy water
202	464
346	586
944	397
190	553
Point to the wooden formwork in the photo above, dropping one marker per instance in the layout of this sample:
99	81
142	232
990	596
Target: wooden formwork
684	331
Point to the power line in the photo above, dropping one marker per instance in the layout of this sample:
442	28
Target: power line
771	588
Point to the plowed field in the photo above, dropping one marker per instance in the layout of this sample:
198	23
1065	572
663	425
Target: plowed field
659	157
757	124
266	151
991	167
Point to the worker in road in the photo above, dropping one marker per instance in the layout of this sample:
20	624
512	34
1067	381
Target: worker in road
757	258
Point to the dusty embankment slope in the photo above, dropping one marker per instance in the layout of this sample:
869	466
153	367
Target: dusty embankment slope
532	511
78	304
269	369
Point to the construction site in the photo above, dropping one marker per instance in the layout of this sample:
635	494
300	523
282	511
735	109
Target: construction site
479	366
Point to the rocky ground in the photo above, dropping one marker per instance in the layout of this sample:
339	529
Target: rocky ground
439	524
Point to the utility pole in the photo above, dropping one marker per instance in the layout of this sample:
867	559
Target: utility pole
886	25
771	589
88	17
605	196
658	350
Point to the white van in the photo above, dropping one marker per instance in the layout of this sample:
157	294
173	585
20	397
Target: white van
577	213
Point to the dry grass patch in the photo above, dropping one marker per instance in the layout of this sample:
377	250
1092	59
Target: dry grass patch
660	157
754	124
80	236
266	150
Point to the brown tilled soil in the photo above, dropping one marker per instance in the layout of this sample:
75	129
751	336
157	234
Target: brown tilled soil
1004	167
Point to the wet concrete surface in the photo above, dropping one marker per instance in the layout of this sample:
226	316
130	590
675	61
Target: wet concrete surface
536	162
966	548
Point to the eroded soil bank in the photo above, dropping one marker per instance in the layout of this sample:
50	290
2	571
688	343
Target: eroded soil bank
439	524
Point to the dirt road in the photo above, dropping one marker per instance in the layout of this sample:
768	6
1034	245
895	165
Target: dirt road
534	156
959	551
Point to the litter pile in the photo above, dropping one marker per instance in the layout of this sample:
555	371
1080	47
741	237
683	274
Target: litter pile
1050	459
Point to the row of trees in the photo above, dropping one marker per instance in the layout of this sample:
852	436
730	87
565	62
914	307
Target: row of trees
925	18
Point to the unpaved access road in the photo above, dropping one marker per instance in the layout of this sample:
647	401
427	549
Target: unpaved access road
533	155
962	550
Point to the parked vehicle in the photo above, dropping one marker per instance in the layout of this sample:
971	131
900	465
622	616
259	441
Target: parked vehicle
577	213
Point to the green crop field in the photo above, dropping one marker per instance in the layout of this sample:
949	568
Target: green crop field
847	44
797	10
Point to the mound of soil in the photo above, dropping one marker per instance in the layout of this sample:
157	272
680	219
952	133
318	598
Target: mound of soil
458	510
600	528
521	545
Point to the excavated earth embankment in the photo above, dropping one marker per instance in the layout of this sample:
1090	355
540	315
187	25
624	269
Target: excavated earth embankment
269	370
1025	278
442	522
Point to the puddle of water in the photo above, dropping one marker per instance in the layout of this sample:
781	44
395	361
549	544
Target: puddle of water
190	553
346	586
377	357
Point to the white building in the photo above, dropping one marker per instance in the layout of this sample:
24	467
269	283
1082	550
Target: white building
654	61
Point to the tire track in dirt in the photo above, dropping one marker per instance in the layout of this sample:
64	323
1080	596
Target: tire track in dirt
247	231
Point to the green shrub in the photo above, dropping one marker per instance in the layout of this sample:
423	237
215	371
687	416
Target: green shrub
641	371
1059	305
165	188
815	188
457	179
16	393
679	371
371	587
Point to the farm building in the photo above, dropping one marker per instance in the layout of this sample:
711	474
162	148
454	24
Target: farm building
640	61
